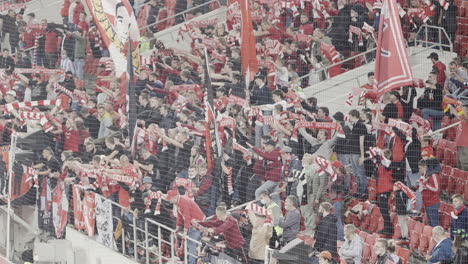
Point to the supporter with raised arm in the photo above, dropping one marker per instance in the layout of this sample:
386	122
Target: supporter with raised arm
226	225
275	212
188	213
272	165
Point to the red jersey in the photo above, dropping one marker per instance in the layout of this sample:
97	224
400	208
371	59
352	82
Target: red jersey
384	180
430	193
52	42
72	140
79	8
427	152
187	210
441	69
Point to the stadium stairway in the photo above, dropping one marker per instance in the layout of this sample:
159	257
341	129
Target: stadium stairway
334	92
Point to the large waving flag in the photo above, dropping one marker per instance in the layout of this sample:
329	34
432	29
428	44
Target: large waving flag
119	28
248	51
392	68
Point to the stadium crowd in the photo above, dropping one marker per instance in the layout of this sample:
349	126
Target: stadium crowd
303	167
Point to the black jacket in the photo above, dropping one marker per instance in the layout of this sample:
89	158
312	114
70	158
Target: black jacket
431	99
326	235
413	152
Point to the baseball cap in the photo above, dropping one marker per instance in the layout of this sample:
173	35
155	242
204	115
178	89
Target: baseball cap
338	116
337	164
286	149
433	55
11	92
171	194
325	255
270	142
147	180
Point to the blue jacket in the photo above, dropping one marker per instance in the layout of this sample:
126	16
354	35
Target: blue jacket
460	223
442	251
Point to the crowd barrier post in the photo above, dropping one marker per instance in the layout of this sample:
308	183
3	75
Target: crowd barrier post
146	243
11	161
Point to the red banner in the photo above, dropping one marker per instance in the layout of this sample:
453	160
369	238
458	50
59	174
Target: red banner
392	68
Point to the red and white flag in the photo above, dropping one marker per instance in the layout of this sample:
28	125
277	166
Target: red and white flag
59	209
392	68
248	51
118	27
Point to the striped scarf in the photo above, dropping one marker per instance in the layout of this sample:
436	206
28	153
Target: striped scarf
260	211
29	105
326	167
405	189
154	195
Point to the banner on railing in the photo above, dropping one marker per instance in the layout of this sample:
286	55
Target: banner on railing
104	225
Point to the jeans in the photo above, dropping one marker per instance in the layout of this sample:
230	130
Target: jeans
436	117
360	173
192	246
261	130
270	187
432	213
344	159
412	181
338	206
382	202
79	68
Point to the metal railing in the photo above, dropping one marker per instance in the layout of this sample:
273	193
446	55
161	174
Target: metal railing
181	14
341	62
430	35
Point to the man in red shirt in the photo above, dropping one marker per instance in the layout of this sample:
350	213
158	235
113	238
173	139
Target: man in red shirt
439	66
187	212
227	225
272	164
429	187
462	138
52	44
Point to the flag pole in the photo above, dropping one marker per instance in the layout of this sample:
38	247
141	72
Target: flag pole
443	129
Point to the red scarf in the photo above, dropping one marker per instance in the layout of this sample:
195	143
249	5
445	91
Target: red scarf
455	213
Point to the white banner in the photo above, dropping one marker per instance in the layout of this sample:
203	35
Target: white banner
104	226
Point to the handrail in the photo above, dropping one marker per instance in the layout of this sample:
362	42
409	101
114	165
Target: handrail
341	62
178	14
425	27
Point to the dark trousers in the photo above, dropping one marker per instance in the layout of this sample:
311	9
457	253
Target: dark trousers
382	202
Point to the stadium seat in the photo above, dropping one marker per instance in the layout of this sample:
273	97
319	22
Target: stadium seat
450	154
404	254
460	178
452	181
424	240
366	252
411	224
444	176
363	235
444	214
432	244
440	148
415	234
396	231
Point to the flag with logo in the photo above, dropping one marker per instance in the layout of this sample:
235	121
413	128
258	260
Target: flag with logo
392	68
59	209
119	28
